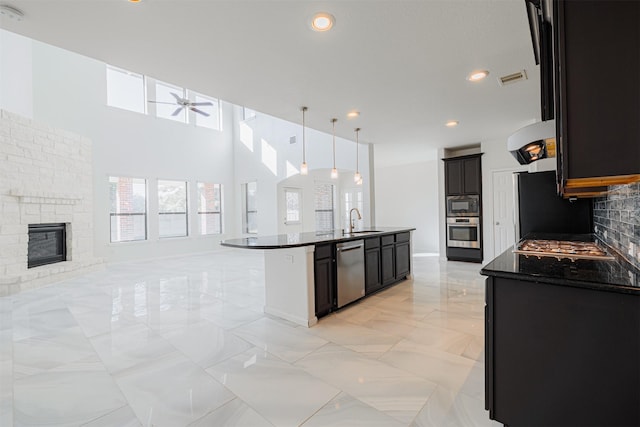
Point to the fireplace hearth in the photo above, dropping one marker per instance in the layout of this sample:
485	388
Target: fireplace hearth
47	244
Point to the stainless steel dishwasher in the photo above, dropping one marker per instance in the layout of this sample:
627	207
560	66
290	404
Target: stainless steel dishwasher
350	271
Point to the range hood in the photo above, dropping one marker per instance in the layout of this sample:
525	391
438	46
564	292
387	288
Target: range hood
533	142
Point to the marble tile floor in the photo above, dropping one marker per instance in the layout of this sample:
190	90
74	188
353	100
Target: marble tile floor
184	342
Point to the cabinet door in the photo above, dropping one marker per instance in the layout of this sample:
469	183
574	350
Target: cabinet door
324	284
387	258
373	279
598	90
453	177
472	175
403	258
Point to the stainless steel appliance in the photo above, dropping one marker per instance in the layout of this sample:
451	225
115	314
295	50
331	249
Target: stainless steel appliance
562	249
350	271
463	232
468	205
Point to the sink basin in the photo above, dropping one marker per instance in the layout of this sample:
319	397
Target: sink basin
355	233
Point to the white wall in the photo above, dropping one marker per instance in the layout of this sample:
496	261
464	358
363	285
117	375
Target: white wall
16	93
69	92
407	195
259	138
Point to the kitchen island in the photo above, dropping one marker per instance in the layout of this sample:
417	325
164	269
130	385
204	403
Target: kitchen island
562	341
301	281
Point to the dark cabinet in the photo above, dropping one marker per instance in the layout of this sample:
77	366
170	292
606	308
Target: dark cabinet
324	273
560	355
597	55
463	175
403	257
388	260
372	274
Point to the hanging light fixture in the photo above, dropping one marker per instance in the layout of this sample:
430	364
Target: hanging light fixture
303	167
357	178
334	171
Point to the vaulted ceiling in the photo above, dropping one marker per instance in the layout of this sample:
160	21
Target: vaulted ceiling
402	64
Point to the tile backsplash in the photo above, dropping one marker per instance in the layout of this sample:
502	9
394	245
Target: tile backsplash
616	218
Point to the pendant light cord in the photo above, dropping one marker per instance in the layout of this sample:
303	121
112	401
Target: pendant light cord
304	156
357	151
334	141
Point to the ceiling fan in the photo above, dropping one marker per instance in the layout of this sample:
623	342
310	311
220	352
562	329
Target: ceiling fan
183	103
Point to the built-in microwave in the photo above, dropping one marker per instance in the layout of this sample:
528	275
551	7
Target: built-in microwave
468	205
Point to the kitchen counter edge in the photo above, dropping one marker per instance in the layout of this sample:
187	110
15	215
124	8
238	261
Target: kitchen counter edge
611	276
294	240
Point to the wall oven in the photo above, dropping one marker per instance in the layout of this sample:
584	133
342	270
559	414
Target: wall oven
466	206
463	232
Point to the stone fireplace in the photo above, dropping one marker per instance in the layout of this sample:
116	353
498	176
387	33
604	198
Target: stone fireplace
45	178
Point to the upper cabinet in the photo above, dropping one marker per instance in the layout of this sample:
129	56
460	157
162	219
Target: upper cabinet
597	94
463	175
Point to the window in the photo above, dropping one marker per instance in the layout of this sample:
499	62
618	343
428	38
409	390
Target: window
125	90
167	106
210	208
250	207
172	208
353	198
128	211
248	113
324	207
213	119
293	203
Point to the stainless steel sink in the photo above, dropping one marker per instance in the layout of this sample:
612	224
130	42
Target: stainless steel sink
356	233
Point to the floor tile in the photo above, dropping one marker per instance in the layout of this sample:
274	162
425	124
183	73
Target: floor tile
172	391
446	408
284	394
347	411
287	343
121	417
233	414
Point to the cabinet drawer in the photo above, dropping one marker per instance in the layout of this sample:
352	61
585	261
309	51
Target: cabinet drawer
323	251
402	237
388	240
371	243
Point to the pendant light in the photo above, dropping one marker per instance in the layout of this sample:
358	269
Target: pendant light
334	171
357	178
303	167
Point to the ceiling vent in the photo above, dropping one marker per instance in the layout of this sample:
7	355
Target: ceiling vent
513	78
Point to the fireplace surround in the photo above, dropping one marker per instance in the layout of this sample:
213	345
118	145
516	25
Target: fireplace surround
47	244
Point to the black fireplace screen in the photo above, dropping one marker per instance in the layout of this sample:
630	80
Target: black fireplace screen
47	244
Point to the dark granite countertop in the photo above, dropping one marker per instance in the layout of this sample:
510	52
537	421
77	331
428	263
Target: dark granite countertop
292	240
614	276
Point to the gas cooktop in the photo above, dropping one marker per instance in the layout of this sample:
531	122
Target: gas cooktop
562	249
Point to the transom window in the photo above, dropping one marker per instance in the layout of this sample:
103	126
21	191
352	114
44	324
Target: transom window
125	90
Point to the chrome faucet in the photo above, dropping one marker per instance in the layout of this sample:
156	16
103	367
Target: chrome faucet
351	225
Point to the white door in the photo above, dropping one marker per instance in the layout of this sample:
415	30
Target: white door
503	211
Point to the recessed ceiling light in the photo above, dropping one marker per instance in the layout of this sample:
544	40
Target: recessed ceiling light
477	75
451	123
11	12
322	21
353	114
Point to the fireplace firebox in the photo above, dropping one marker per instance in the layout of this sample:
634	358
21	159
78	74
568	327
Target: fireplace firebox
47	244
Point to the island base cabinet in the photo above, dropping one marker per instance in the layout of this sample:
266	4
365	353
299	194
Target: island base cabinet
387	261
559	355
324	276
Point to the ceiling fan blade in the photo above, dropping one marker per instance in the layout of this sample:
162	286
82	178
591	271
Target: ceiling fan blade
201	103
175	95
175	113
160	102
195	110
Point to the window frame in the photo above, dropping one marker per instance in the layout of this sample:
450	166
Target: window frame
220	212
143	79
130	214
245	208
297	191
186	206
333	205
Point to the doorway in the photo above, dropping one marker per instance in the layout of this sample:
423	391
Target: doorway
504	234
